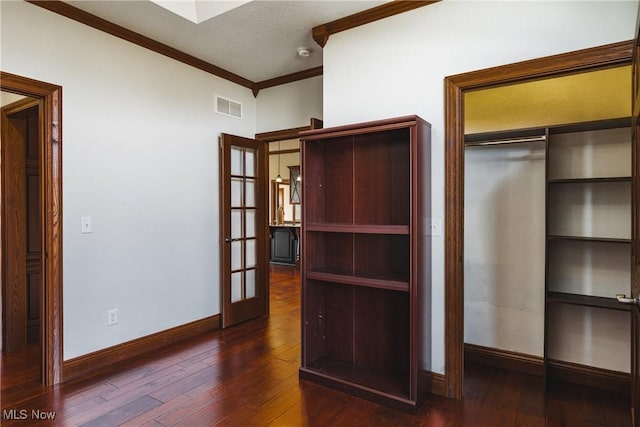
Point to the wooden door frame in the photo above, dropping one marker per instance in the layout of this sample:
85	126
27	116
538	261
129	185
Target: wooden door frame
615	54
49	97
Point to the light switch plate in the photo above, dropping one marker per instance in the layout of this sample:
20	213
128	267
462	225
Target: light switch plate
86	224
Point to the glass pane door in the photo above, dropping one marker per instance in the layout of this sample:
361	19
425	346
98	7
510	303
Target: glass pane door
243	223
243	227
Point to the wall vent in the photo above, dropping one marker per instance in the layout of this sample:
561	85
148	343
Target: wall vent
228	107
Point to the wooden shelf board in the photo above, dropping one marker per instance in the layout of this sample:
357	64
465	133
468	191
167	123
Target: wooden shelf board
590	180
589	239
354	279
586	301
503	136
358	228
620	122
374	381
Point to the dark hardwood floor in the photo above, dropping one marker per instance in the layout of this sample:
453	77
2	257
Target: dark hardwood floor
248	376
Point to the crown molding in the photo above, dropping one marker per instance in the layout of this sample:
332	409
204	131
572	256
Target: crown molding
98	23
322	32
289	78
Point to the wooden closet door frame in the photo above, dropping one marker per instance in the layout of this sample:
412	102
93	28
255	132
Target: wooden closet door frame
610	55
49	97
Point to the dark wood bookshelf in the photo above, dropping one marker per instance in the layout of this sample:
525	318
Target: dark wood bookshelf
366	199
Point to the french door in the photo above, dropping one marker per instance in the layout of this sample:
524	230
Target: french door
243	222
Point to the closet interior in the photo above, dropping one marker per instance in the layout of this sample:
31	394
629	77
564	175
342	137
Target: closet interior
548	225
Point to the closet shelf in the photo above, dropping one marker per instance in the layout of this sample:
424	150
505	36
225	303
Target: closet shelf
505	137
586	301
589	239
619	122
590	180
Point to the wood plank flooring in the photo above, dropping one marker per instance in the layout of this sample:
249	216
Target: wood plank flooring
248	376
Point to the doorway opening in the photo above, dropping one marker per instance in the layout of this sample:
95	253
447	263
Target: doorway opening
33	291
285	199
455	89
22	266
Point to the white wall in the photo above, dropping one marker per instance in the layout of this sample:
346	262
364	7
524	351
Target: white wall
289	106
397	66
504	247
140	156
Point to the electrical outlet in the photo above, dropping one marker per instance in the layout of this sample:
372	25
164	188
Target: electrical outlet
435	226
112	316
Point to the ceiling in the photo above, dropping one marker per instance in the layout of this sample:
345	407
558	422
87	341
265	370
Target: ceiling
257	40
581	97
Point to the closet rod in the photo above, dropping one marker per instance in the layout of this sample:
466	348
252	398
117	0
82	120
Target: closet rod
506	141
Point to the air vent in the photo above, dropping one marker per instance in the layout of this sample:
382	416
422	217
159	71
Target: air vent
228	107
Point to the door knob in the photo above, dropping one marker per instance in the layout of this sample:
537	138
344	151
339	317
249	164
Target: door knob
622	298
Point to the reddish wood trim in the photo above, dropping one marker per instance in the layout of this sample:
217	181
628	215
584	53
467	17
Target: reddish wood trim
520	362
431	382
365	17
557	370
454	241
619	382
71	12
50	97
93	363
322	32
293	150
315	123
455	86
93	21
280	135
361	128
614	54
292	133
287	78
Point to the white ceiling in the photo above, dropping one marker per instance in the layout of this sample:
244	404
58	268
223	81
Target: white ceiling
257	40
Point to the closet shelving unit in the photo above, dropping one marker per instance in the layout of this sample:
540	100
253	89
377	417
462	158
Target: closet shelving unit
588	224
366	198
588	244
589	164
